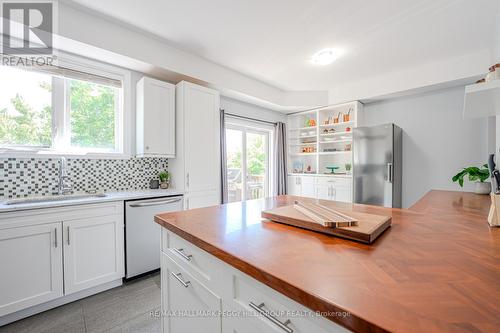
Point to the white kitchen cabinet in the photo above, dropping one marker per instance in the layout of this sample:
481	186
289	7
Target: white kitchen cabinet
31	266
52	256
303	186
214	286
294	185
342	193
196	168
321	187
201	199
324	191
93	252
308	187
183	294
155	118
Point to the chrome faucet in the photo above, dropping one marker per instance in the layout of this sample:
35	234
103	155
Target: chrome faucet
64	185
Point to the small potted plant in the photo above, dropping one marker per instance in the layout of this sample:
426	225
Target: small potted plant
348	167
164	179
475	174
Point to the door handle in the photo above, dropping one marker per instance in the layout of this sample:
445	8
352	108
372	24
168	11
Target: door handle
55	238
67	231
187	180
154	203
180	252
178	277
260	309
389	172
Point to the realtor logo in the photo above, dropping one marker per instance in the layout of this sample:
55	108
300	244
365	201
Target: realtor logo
27	28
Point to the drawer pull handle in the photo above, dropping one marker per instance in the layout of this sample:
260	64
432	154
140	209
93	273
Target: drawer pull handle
178	276
260	309
188	257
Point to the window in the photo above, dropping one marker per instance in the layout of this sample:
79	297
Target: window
248	160
25	108
60	110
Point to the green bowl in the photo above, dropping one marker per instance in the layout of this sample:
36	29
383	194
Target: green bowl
333	168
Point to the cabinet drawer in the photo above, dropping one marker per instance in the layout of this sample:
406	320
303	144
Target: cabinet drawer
190	257
188	305
337	182
283	314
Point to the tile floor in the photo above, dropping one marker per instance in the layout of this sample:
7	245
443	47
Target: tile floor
123	309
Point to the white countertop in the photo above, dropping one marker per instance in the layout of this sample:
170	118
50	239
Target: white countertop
110	196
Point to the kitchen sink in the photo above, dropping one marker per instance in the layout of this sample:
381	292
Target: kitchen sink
53	198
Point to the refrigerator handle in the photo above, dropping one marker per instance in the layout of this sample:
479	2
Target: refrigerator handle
389	172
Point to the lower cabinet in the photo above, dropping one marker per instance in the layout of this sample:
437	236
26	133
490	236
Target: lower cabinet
187	305
321	187
93	252
49	253
31	266
202	294
337	189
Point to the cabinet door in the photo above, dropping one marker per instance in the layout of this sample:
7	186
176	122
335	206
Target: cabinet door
294	185
189	306
201	138
155	118
308	186
202	199
324	191
93	252
245	325
31	266
342	193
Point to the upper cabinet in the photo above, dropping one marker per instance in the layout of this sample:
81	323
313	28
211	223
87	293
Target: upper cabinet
196	168
155	118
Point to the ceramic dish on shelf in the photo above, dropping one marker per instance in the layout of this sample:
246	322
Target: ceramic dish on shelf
332	169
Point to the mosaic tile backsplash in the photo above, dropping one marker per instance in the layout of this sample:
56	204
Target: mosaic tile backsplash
23	177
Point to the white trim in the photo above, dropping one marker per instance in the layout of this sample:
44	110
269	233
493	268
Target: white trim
124	119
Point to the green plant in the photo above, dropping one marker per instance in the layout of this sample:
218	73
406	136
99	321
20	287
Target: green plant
164	176
348	166
474	173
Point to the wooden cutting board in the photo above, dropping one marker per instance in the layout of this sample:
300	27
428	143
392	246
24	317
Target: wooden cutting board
368	229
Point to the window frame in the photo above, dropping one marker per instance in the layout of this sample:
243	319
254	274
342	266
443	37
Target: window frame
255	127
61	110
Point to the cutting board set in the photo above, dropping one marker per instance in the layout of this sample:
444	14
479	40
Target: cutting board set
361	227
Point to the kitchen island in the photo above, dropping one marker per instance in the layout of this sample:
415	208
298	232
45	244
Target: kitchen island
437	269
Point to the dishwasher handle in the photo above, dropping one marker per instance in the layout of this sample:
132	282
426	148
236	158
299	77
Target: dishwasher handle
155	203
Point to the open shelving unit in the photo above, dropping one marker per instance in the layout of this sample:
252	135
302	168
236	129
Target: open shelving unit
322	138
482	99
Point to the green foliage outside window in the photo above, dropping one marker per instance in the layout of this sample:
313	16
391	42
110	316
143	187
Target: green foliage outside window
92	115
256	157
28	127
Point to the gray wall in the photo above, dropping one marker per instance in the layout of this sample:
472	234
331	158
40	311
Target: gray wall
437	141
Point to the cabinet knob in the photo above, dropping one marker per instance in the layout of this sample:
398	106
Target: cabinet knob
147	147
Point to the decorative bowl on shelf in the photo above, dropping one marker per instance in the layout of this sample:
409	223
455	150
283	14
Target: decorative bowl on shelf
332	168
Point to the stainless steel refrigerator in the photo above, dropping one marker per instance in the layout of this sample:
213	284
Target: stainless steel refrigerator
377	165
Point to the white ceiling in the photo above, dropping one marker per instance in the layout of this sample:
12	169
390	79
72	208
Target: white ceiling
272	40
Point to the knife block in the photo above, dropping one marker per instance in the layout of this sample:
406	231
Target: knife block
494	215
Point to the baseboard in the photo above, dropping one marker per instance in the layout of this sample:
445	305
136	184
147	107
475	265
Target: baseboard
10	318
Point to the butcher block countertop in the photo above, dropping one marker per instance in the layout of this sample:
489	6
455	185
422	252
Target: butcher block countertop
436	269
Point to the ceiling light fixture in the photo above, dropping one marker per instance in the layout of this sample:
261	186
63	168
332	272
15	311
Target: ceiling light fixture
326	56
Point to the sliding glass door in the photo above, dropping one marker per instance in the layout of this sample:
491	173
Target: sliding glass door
248	162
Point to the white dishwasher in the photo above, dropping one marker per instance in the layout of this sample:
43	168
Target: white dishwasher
143	234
